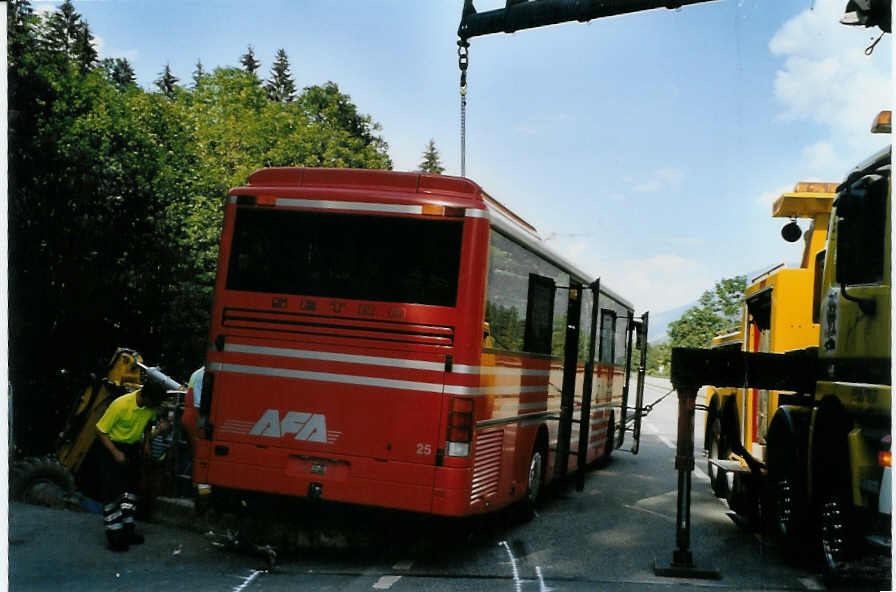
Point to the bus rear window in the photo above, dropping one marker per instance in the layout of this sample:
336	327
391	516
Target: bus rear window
352	256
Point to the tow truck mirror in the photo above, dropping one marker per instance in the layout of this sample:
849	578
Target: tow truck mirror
861	224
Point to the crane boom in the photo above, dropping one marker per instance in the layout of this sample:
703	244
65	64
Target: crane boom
528	14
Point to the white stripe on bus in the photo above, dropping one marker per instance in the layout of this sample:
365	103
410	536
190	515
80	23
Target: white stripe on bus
356	206
361	206
431	387
379	361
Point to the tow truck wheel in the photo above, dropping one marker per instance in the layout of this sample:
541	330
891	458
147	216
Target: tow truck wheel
718	450
836	522
786	493
835	536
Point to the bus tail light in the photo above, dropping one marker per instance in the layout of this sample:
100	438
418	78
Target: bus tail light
460	427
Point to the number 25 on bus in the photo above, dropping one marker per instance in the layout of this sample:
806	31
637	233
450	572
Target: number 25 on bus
404	341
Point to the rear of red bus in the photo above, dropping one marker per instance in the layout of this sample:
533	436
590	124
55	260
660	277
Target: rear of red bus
343	300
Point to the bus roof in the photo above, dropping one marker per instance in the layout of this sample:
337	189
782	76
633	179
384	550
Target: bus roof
445	189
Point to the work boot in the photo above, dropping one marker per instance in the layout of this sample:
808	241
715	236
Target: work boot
117	540
132	536
128	510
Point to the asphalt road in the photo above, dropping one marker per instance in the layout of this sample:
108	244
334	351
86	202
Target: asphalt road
604	538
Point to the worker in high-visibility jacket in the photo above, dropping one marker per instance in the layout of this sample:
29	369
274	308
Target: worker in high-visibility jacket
124	431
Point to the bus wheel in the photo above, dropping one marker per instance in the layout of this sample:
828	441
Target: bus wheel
534	482
611	439
718	450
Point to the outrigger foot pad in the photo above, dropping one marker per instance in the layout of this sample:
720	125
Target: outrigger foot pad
685	570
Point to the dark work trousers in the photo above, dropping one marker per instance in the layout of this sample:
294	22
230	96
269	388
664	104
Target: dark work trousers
120	492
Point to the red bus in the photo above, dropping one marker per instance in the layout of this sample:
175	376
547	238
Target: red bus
404	341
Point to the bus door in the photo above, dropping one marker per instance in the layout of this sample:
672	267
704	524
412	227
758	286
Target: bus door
570	369
636	331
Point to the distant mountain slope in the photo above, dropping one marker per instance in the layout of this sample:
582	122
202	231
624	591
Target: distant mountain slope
656	331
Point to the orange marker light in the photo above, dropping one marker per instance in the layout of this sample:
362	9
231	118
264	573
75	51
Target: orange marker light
885	458
433	210
815	187
882	123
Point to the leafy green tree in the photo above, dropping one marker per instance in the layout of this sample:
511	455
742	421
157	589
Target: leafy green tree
326	104
167	82
280	87
431	163
115	205
250	64
658	357
717	310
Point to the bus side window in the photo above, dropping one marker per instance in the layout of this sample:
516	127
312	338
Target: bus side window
539	315
607	336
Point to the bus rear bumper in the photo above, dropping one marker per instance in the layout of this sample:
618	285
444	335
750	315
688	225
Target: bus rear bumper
356	480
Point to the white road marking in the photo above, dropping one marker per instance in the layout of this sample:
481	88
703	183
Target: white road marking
516	573
812	584
403	565
541	586
663	516
247	580
385	582
698	472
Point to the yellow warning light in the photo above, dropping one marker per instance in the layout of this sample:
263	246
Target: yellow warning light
882	123
815	187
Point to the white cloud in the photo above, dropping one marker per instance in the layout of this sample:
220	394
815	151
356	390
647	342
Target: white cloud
45	7
660	282
768	198
821	158
665	178
827	79
573	251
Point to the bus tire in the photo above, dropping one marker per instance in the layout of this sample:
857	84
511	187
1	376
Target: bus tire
610	440
534	482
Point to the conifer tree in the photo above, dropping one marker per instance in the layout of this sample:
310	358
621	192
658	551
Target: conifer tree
198	73
281	88
63	27
167	82
120	72
85	53
67	33
250	64
430	163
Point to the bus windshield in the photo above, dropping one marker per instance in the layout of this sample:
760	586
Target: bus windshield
352	256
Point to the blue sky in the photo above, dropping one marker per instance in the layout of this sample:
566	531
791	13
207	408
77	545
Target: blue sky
648	147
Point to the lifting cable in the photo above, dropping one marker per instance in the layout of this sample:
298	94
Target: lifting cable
649	407
463	60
